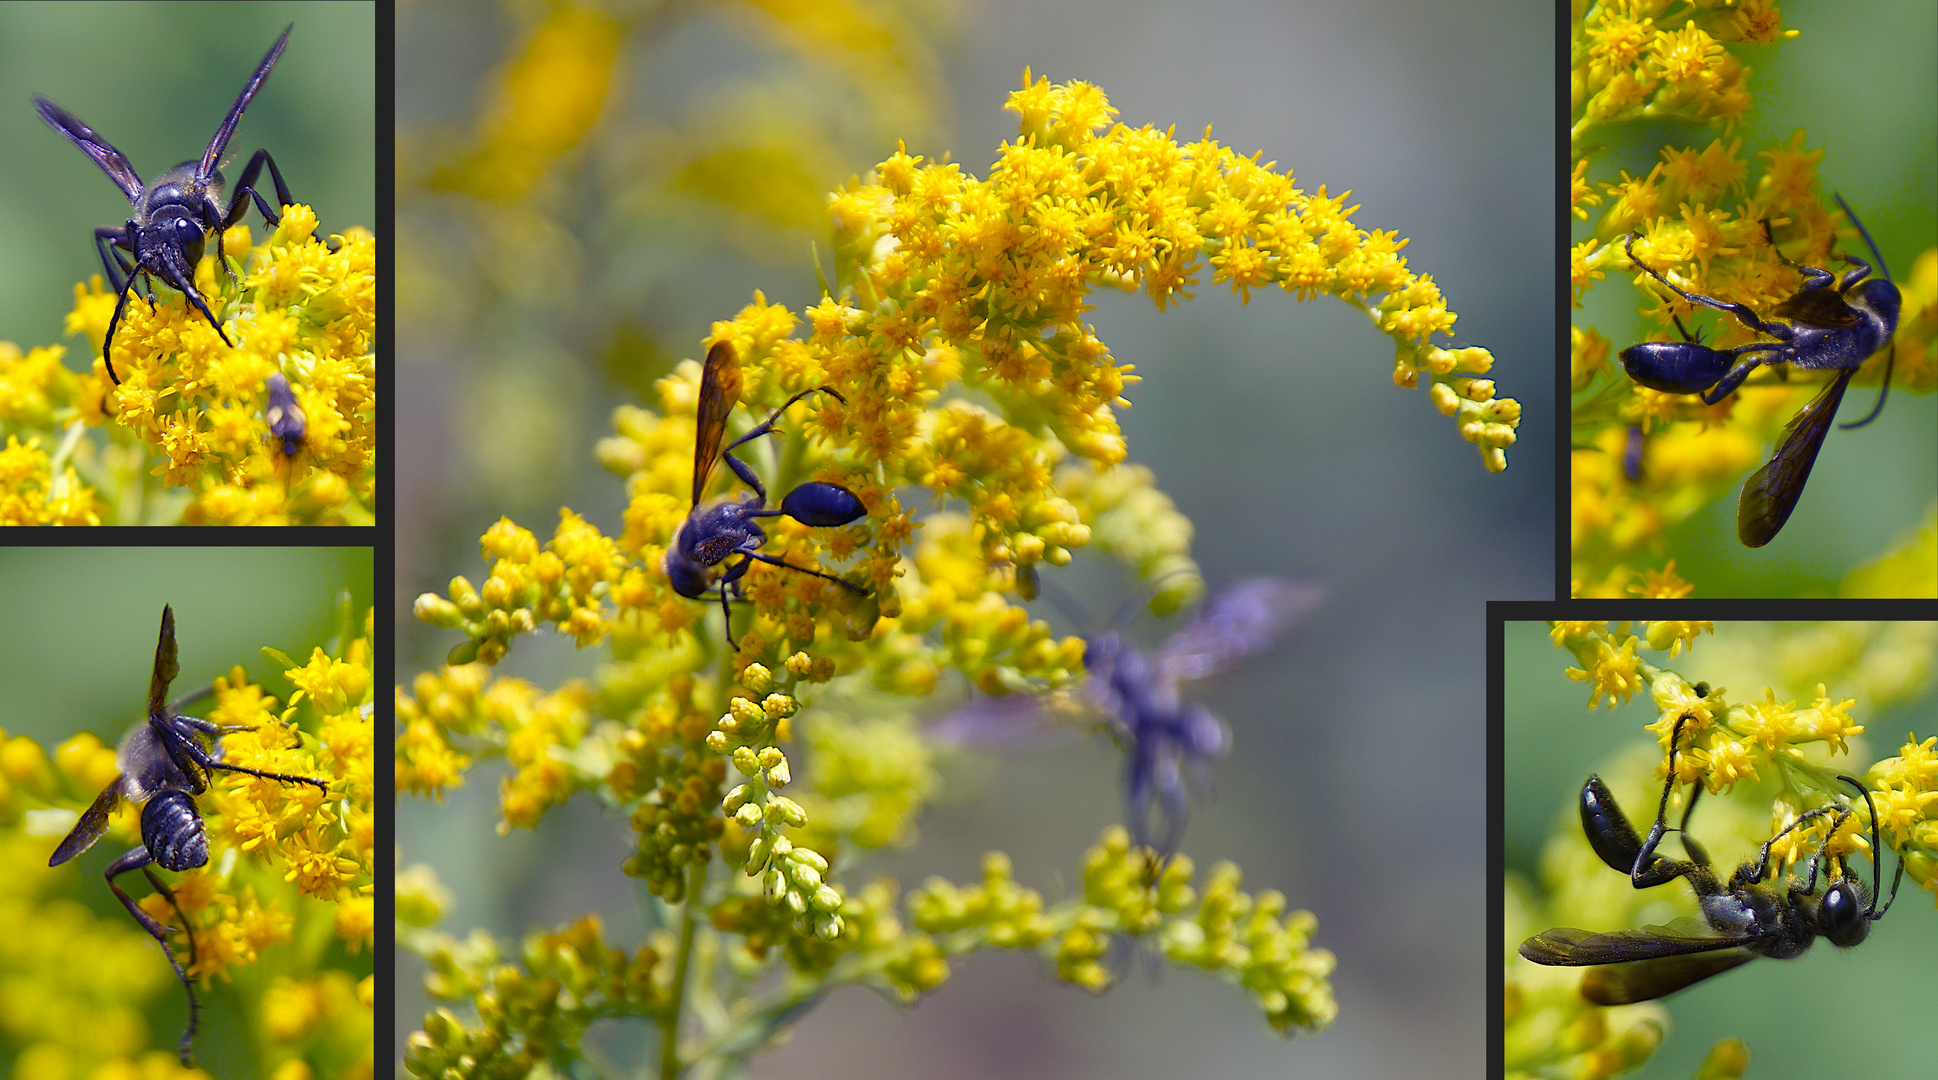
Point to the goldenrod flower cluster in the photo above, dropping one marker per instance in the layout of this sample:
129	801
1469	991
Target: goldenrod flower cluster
976	423
1700	217
564	980
1905	788
1246	940
948	280
297	309
1722	744
289	883
568	979
37	488
1002	268
1722	741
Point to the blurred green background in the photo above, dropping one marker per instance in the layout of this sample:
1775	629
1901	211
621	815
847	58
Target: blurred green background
1861	80
1862	1011
81	630
83	622
1356	785
155	80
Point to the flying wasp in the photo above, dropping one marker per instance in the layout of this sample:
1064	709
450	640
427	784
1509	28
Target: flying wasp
717	531
173	216
1139	699
163	767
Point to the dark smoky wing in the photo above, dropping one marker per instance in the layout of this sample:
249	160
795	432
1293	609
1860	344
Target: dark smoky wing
93	823
1822	308
1772	491
166	666
111	160
1240	621
719	390
220	143
1565	946
1646	980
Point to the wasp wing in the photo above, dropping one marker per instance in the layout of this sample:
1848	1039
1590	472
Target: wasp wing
111	160
1771	492
166	667
1639	965
220	143
1240	621
1646	980
1823	308
1566	946
719	390
1012	720
92	824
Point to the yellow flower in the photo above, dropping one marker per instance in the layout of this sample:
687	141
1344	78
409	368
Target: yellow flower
297	309
1612	674
32	494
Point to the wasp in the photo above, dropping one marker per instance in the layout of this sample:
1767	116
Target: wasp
163	767
1140	699
173	216
715	532
1819	327
1749	917
284	416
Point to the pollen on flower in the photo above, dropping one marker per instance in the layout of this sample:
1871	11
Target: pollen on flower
1768	723
1662	584
1729	760
1612	674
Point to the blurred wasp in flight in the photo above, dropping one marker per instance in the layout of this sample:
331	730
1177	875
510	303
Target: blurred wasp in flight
1749	917
173	216
163	767
1139	699
714	532
1819	327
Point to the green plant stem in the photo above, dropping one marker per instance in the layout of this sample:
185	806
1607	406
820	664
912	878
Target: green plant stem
669	1046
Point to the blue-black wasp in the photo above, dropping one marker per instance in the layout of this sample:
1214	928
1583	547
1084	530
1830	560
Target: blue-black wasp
1140	702
173	216
284	416
163	767
1749	917
714	532
1818	327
